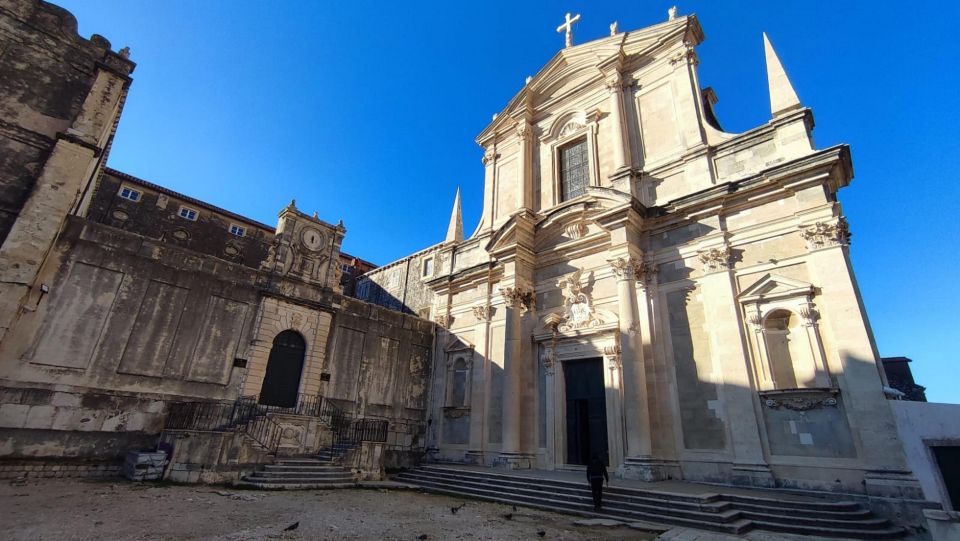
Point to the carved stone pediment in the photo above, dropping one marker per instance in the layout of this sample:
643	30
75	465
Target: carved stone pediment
772	286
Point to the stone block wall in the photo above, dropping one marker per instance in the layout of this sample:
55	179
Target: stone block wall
47	469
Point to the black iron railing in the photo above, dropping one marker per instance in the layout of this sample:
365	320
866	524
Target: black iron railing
354	431
305	404
264	431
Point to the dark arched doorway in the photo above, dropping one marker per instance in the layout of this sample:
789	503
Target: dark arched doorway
282	380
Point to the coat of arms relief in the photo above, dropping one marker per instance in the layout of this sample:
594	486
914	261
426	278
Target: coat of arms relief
578	311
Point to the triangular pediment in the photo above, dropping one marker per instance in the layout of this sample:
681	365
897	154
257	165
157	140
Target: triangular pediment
580	64
455	343
773	286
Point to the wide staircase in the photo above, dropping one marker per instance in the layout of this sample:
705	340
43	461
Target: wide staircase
324	469
299	473
723	512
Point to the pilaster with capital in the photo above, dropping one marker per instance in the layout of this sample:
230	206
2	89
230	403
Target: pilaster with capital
729	356
518	301
636	408
621	148
524	130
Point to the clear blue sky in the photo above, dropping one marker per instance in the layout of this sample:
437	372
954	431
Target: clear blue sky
367	111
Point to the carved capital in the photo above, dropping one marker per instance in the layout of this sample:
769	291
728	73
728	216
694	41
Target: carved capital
489	157
687	55
645	271
616	82
715	259
810	315
524	130
547	359
613	353
444	320
826	234
516	297
625	268
482	312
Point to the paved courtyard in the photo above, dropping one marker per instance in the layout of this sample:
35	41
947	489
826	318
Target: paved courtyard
55	509
73	509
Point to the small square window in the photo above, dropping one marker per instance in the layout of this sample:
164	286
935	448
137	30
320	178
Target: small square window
237	230
127	192
428	266
188	213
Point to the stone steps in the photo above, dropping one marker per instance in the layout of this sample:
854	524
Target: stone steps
719	512
299	473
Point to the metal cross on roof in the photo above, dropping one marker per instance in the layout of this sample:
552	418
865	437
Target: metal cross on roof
568	28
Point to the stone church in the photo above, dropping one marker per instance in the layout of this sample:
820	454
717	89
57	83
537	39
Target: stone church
642	286
649	288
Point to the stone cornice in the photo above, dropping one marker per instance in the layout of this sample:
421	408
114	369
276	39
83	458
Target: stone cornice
826	160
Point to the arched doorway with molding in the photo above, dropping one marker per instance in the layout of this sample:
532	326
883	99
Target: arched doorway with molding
281	383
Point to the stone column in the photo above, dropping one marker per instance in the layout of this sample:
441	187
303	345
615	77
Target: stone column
728	348
621	155
518	301
636	412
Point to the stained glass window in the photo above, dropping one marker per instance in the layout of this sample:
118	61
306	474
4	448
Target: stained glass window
574	170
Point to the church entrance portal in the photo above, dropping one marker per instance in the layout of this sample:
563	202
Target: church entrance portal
586	411
282	380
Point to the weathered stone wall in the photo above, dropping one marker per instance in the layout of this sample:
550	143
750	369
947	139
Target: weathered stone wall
47	71
129	323
156	215
380	367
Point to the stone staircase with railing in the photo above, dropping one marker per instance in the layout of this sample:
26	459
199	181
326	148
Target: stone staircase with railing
729	513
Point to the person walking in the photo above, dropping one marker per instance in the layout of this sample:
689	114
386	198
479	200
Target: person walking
596	475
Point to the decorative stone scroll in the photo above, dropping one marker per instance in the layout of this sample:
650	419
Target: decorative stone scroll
489	157
576	230
800	399
715	259
517	297
798	403
613	353
826	234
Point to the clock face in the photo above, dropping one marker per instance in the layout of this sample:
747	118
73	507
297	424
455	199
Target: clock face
312	239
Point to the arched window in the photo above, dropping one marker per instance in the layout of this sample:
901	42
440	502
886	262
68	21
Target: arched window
458	383
777	331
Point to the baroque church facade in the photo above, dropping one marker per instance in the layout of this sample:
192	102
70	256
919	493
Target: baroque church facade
648	288
642	286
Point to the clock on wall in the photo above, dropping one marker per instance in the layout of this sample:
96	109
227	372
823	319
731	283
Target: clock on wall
312	239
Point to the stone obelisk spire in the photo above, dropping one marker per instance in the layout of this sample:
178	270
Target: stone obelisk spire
455	229
782	96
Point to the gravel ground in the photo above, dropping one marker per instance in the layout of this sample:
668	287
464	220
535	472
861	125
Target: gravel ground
73	509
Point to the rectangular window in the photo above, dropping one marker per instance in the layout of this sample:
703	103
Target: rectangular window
188	213
574	170
238	230
428	266
127	192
